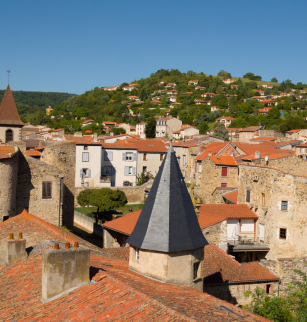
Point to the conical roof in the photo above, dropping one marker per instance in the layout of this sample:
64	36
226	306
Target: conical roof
168	222
8	110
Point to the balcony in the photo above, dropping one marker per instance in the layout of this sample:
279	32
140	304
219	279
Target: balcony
105	179
244	244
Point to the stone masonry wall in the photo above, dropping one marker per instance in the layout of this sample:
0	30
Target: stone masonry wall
8	175
216	233
63	156
277	186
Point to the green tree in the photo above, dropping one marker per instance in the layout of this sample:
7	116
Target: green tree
274	80
118	130
150	128
221	132
203	128
274	113
105	199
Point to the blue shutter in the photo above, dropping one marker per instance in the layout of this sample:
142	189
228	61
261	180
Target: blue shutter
113	171
89	173
124	157
102	171
110	156
106	156
81	170
134	171
126	171
134	157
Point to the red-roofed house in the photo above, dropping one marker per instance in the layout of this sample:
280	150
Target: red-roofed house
193	82
249	133
167	125
111	88
226	120
208	94
87	122
140	128
173	85
299	134
229	81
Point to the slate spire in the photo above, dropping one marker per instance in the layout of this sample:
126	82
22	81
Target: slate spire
8	110
168	222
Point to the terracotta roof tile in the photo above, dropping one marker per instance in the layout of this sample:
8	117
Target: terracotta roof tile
251	129
150	146
33	153
207	220
124	224
223	160
230	211
219	267
232	196
8	110
121	144
273	138
85	139
250	149
214	148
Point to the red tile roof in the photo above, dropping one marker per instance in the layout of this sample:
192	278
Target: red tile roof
219	267
294	131
250	149
5	151
121	144
124	224
207	220
214	148
273	138
150	146
232	196
8	110
85	139
87	121
223	160
251	129
33	153
225	118
230	211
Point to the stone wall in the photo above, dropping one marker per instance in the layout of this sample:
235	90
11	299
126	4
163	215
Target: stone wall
113	239
211	177
274	186
271	133
16	132
234	293
216	233
88	224
8	175
63	156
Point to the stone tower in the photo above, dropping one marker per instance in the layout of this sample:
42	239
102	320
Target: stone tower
167	243
10	123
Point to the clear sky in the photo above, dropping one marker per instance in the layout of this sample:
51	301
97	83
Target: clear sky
73	46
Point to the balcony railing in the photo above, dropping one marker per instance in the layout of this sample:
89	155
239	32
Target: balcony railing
105	179
247	241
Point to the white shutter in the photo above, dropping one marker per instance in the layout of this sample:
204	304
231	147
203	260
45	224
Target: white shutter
247	225
124	156
134	171
126	171
85	156
89	173
110	156
134	157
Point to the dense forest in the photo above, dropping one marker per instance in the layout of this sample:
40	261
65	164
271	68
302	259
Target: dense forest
240	102
28	103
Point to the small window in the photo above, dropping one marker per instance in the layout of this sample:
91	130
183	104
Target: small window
183	160
9	136
263	199
282	233
224	171
223	185
248	196
108	171
129	156
196	267
284	205
129	170
47	190
145	157
145	170
137	254
108	156
85	184
267	288
85	147
161	157
85	157
199	167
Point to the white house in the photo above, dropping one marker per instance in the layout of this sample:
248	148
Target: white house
111	88
140	128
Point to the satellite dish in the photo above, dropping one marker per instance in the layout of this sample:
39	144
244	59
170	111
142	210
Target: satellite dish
266	158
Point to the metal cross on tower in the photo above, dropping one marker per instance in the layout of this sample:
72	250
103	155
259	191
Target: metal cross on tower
8	75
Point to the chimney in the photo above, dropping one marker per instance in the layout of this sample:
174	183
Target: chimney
95	137
64	269
15	249
111	134
257	155
209	153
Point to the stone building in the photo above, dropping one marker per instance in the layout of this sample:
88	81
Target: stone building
10	123
167	243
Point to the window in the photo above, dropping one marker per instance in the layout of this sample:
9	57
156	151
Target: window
130	171
144	170
85	147
223	185
161	157
263	199
47	190
85	184
108	171
282	233
224	171
85	173
267	288
199	167
196	270
284	205
145	157
108	156
248	195
137	254
85	156
183	160
9	136
129	156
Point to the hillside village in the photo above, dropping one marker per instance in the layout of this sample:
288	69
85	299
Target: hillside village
220	165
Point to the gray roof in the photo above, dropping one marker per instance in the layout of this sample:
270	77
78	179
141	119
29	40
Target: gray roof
168	222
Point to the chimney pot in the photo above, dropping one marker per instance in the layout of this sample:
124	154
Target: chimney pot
67	245
20	236
76	244
56	246
11	236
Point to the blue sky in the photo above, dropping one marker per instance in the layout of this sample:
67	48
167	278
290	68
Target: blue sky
74	46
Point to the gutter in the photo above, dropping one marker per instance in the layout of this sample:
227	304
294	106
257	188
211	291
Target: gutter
245	282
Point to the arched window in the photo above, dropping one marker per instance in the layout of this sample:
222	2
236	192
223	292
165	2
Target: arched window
8	136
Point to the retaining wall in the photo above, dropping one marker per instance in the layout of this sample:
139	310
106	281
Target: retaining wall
88	224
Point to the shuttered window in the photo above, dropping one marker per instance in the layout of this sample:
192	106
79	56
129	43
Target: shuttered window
47	190
248	196
223	185
224	171
85	156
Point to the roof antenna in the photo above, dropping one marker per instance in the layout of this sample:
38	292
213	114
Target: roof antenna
8	75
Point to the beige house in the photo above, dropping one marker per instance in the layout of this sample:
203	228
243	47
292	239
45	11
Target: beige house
248	133
127	127
185	132
140	128
226	120
166	126
297	134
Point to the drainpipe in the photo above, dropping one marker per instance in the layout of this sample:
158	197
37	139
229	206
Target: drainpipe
60	194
